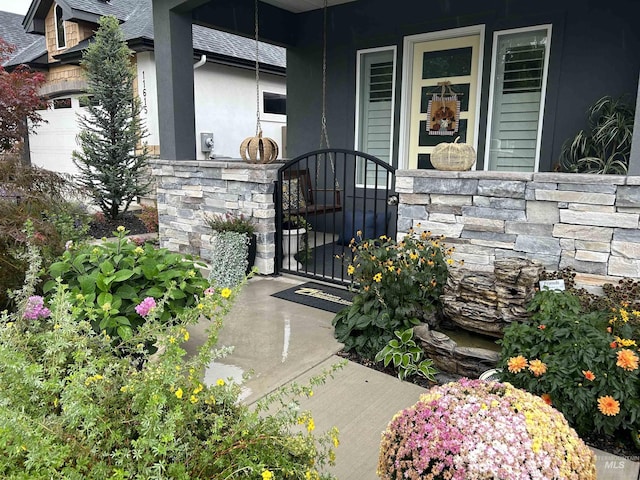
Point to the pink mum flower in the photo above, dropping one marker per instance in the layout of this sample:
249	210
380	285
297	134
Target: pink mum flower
35	308
146	306
210	291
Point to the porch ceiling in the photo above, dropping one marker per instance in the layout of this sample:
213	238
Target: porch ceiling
298	6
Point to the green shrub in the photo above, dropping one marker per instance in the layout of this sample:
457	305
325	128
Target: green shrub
108	280
397	283
34	197
229	259
585	364
72	408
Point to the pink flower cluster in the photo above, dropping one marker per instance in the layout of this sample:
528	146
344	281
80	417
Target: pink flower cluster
144	307
473	429
35	308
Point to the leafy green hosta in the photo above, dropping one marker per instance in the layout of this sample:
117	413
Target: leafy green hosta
406	356
107	281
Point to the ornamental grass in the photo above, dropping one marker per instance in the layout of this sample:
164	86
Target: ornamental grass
472	429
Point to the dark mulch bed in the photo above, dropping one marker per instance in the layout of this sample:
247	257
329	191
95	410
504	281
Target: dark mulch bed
622	447
105	227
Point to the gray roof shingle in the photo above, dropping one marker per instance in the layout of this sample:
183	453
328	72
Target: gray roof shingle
12	32
137	18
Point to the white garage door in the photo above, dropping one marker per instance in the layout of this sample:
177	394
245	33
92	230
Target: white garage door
53	142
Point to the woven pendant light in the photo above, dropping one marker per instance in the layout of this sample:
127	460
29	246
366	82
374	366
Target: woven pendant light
258	149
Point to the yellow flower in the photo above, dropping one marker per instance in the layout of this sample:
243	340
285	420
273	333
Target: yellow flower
179	393
185	334
193	399
200	306
220	382
172	340
413	256
608	406
120	229
537	367
225	293
516	364
138	250
625	342
627	359
450	261
311	425
198	389
267	475
377	277
351	269
106	306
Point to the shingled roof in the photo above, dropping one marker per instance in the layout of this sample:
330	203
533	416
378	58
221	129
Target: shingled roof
137	25
12	32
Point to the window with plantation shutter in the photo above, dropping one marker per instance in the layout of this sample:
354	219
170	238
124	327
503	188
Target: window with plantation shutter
374	132
518	83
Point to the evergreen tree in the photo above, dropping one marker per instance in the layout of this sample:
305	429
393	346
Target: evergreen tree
112	159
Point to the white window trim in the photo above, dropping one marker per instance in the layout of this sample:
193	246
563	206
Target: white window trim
356	136
492	87
407	82
64	28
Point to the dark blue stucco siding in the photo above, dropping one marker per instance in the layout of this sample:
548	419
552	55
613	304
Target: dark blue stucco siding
595	51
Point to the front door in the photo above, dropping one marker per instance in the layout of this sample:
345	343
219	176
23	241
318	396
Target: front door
454	60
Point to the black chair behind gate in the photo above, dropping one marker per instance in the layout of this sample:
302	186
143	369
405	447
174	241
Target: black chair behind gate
323	200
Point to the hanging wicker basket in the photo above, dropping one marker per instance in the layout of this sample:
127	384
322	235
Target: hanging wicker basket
258	149
453	156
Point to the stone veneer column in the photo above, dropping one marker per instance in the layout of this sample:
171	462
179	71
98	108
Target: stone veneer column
188	190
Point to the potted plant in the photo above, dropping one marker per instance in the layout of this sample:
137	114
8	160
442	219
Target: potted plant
234	247
295	241
606	146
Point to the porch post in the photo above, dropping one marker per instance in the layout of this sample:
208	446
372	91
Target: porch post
634	157
173	47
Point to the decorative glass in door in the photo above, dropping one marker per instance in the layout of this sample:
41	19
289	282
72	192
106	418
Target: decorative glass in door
437	62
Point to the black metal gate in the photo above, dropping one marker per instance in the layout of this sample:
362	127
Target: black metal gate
323	200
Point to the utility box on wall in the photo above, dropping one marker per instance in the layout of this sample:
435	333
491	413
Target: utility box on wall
206	142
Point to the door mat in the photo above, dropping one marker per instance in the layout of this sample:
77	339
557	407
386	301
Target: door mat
316	295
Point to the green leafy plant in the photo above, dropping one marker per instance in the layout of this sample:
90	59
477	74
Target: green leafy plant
398	284
406	356
585	364
605	147
110	279
230	223
37	197
71	407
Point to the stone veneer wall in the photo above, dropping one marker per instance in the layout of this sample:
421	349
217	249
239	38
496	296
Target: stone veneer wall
588	222
187	190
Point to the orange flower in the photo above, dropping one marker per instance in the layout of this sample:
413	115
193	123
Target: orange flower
516	364
547	398
627	359
542	327
608	405
537	367
588	374
613	345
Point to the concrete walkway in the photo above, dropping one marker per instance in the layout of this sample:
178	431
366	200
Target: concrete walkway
281	342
